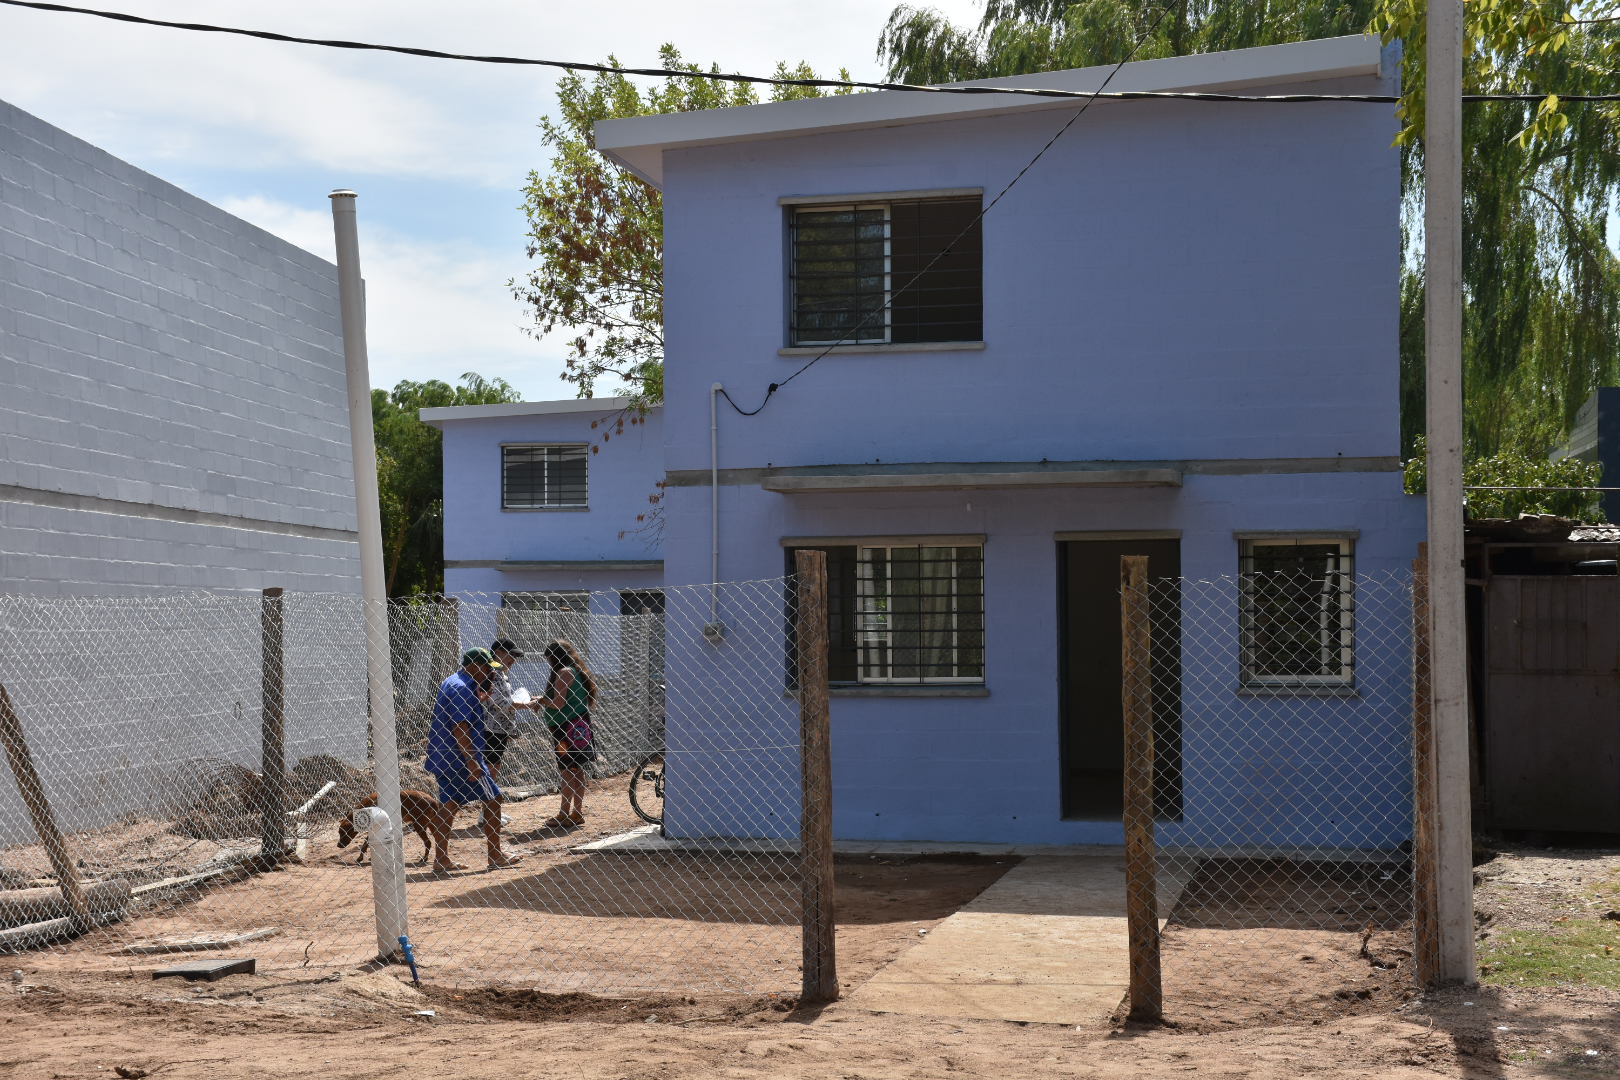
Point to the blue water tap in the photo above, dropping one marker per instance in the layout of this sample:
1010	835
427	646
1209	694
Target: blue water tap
410	958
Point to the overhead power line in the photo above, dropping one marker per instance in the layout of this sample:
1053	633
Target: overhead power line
768	80
1085	97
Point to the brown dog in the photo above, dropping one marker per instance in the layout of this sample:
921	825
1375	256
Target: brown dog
416	807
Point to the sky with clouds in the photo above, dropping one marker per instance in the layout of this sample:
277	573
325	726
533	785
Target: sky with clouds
438	150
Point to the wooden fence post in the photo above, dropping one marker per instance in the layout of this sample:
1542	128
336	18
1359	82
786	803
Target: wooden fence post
1141	871
1425	851
448	656
32	791
273	750
815	748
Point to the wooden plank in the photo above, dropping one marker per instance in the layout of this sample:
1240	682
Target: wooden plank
237	861
1425	851
1502	642
273	754
211	970
33	935
1555	752
18	906
820	982
197	942
1551	740
1141	888
32	790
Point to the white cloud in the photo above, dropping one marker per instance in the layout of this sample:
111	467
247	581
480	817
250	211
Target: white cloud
230	114
434	310
157	95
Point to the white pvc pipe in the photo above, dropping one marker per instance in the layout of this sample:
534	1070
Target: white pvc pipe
313	799
387	850
714	503
1448	656
388	863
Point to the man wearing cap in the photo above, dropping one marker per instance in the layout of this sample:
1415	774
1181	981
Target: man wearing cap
456	743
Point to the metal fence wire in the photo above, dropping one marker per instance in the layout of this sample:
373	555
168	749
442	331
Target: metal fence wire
183	767
1269	805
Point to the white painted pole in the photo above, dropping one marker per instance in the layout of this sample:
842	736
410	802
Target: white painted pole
1442	225
388	858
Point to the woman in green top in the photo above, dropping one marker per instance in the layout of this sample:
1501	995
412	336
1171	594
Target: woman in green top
570	695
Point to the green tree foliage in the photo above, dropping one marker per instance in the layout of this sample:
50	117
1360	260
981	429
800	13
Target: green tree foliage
410	475
597	231
1509	469
1541	285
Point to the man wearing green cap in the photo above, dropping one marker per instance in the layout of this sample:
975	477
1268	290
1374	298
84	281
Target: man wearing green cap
456	760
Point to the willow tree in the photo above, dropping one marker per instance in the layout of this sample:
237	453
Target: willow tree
1541	285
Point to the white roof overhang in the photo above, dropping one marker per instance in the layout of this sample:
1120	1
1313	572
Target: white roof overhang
638	143
442	415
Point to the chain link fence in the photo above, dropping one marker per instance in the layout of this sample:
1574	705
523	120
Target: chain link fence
1269	814
183	766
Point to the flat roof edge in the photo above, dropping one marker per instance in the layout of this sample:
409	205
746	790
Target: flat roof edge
637	143
525	408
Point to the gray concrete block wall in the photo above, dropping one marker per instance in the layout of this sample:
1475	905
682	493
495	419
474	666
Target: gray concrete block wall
172	400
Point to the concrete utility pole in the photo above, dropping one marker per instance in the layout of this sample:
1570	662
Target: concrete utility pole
1442	225
387	847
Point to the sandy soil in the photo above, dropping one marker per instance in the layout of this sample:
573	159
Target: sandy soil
1264	1002
561	920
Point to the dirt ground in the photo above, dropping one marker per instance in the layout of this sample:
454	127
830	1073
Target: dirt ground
1263	1003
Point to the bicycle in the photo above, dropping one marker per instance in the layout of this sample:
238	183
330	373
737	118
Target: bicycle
647	788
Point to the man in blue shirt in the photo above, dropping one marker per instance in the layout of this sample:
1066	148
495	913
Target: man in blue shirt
456	759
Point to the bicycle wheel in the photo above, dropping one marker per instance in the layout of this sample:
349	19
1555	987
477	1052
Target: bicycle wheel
647	789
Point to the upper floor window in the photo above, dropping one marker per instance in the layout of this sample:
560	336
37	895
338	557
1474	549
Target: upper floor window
1297	611
543	477
887	272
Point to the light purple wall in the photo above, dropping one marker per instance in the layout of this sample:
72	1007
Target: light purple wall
1169	281
917	768
621	475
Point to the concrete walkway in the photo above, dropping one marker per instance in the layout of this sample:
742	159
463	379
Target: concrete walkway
1045	944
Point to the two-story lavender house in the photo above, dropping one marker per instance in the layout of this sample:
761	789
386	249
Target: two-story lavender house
1175	335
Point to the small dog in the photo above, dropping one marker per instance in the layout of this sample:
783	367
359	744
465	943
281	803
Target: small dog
416	807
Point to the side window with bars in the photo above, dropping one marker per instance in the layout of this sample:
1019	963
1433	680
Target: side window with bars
532	619
1297	612
543	477
904	614
887	272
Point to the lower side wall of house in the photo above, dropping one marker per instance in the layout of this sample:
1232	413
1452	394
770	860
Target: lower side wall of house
601	611
534	607
931	764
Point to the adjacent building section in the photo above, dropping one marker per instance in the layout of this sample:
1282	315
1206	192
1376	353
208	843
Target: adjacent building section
551	496
174	437
174	413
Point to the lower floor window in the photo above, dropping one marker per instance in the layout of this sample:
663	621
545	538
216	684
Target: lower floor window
533	619
1297	611
905	613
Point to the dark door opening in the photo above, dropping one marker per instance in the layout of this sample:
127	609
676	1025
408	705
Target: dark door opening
1092	736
